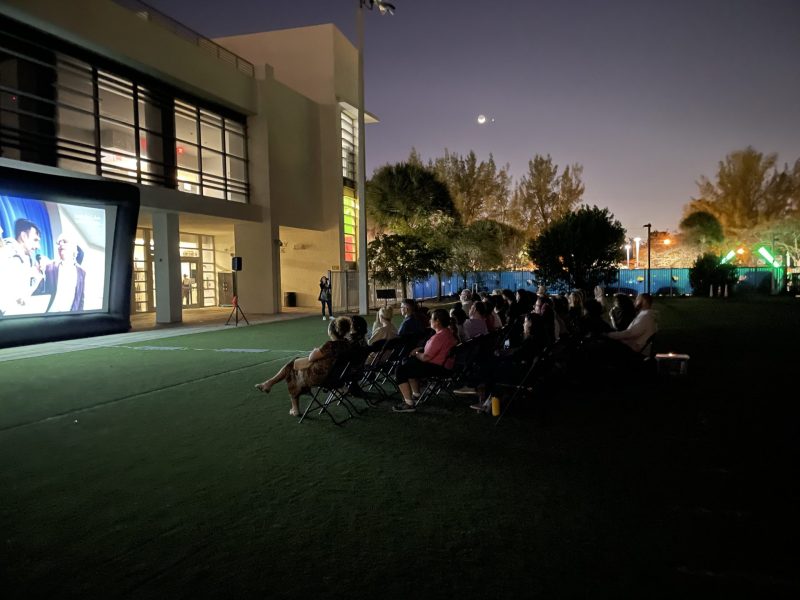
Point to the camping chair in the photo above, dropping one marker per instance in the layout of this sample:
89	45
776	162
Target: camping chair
334	388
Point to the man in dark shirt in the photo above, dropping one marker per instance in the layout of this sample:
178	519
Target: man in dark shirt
410	324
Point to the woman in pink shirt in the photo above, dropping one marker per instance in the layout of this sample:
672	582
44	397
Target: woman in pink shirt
426	362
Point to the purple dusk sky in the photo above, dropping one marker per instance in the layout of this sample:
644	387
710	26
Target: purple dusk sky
646	94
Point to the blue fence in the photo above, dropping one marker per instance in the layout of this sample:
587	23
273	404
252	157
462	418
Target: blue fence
634	281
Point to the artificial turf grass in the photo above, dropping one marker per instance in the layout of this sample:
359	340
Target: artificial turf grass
449	516
187	491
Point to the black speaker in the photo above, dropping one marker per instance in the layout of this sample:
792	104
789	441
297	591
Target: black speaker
236	263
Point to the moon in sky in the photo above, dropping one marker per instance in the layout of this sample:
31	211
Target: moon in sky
481	119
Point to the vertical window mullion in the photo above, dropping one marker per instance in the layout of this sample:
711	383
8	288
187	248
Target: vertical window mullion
199	148
98	155
136	136
224	159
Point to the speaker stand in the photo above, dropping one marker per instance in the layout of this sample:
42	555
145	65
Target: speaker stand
237	310
236	313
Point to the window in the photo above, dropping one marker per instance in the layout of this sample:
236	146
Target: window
210	153
349	145
350	226
60	110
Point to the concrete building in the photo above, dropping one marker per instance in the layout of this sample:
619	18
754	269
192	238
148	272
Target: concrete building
241	147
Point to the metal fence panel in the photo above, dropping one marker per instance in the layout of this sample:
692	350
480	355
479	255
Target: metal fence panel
665	282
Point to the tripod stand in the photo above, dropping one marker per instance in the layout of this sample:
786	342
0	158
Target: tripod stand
237	310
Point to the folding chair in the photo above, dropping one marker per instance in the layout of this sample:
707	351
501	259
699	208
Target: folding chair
464	356
394	351
525	385
334	388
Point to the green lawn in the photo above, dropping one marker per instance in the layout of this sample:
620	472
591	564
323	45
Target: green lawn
155	470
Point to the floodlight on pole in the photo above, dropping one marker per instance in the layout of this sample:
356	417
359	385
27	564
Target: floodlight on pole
363	285
768	257
627	256
637	241
727	257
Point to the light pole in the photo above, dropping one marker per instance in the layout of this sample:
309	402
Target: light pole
363	285
627	256
648	256
637	241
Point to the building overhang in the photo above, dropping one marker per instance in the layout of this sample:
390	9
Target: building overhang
369	118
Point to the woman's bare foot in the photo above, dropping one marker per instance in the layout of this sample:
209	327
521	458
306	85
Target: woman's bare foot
264	387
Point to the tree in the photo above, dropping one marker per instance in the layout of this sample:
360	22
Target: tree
542	196
404	258
702	229
780	237
707	271
407	198
478	247
580	249
478	189
748	190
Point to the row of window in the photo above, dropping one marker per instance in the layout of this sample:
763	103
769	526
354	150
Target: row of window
61	111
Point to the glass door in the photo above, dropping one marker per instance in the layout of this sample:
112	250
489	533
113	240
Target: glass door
190	279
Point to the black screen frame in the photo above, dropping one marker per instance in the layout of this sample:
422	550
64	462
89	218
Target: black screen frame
116	318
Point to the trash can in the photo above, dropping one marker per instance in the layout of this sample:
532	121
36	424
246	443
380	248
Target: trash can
290	299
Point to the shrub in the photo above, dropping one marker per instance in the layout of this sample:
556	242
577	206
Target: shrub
708	271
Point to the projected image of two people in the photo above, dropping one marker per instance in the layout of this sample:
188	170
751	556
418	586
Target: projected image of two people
52	257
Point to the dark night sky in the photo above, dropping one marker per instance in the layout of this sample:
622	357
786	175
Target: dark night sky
646	94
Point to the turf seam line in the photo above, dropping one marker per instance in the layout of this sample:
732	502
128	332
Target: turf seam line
132	396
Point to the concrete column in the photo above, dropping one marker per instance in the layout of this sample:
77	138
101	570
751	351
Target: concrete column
167	260
259	280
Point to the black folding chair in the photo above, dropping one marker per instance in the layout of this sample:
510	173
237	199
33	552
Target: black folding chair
333	389
394	352
464	356
532	374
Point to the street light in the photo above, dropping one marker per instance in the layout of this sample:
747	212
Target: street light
648	256
627	256
363	301
638	241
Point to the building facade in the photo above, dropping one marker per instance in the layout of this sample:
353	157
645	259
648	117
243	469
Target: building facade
245	146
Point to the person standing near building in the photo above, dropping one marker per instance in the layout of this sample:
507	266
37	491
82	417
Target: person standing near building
186	286
325	296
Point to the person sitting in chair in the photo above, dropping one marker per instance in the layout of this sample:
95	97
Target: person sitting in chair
301	374
642	328
433	360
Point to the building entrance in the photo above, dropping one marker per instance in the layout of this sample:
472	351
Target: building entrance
190	271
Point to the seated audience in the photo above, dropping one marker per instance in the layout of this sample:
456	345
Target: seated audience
466	299
358	331
383	329
511	365
642	328
429	361
592	324
457	319
600	296
301	374
622	312
476	324
410	324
